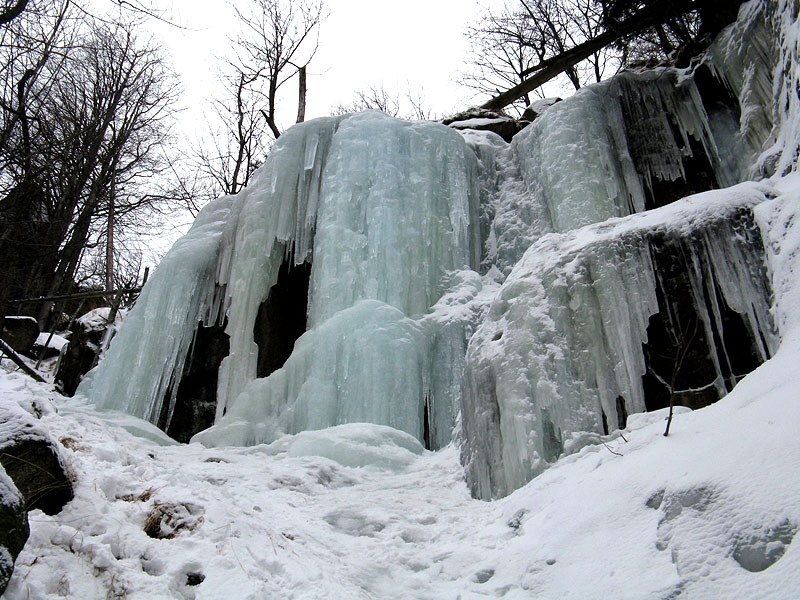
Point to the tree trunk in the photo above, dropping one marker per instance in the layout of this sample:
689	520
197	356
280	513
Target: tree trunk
17	360
301	102
110	242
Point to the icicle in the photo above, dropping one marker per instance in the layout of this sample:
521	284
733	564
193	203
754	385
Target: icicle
744	58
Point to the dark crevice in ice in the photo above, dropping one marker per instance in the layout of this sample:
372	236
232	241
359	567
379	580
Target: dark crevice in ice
427	434
699	177
697	346
282	317
195	400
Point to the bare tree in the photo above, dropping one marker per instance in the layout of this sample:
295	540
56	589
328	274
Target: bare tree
81	150
508	44
374	98
277	42
411	107
640	19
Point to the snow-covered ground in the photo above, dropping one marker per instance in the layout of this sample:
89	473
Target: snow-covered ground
708	512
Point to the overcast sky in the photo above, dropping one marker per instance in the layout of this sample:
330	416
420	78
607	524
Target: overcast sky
416	45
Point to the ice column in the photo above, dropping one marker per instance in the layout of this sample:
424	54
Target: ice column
396	214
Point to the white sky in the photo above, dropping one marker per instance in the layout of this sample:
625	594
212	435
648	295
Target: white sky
418	46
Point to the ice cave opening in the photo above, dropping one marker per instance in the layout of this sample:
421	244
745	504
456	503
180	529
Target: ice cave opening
282	317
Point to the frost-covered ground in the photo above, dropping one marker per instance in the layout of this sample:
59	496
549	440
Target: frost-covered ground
708	512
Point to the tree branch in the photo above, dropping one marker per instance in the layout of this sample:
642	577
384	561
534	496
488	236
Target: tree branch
12	12
551	67
17	360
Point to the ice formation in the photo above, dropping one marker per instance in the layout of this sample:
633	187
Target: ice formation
563	354
405	232
560	350
386	212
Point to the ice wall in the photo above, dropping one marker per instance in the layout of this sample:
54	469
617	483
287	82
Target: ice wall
562	341
600	154
561	349
412	228
396	213
386	211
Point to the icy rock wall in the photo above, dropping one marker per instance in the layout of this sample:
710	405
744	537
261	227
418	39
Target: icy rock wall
386	212
562	341
598	155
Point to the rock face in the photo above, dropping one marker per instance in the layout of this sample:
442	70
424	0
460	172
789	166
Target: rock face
14	529
20	332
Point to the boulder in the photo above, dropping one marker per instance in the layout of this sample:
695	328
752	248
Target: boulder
479	119
537	107
32	460
85	342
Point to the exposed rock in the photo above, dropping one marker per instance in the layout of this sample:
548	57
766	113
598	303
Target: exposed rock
14	529
195	403
76	359
480	119
537	107
32	460
20	332
79	357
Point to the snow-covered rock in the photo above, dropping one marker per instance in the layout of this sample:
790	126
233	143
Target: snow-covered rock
14	529
31	458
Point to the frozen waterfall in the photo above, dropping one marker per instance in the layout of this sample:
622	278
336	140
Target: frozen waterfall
386	213
563	354
604	262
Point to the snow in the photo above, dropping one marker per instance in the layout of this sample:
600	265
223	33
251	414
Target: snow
54	341
352	509
97	319
478	122
642	517
697	514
